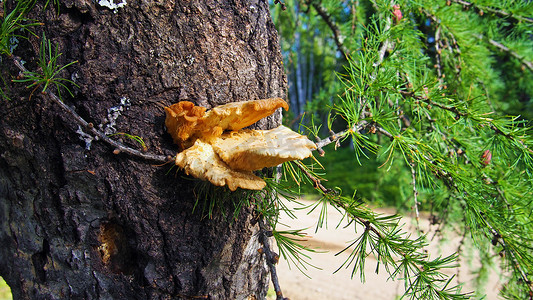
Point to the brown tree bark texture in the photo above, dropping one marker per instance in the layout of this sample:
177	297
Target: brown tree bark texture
88	224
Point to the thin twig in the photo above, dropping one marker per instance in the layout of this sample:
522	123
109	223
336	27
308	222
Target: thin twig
119	147
337	36
384	132
453	109
498	238
509	136
281	3
441	43
318	185
355	5
387	44
270	257
502	47
495	11
459	251
502	195
438	53
334	137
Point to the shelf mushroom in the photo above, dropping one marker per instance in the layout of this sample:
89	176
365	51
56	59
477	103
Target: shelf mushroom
217	148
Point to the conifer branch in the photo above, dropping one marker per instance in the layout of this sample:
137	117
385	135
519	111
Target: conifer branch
459	114
510	137
119	147
497	236
504	48
499	239
437	55
355	4
326	16
502	195
389	243
335	137
498	12
428	101
441	174
430	146
387	44
317	184
440	44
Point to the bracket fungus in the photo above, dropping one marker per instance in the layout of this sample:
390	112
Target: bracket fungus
217	148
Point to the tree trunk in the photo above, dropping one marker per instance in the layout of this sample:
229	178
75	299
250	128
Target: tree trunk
80	222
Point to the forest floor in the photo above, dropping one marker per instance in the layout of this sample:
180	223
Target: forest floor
325	284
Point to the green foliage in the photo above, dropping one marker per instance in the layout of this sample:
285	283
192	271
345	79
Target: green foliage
212	199
269	204
13	23
290	246
135	138
433	107
372	181
49	70
14	26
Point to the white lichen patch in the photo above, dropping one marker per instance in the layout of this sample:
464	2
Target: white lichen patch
112	5
112	115
13	43
87	138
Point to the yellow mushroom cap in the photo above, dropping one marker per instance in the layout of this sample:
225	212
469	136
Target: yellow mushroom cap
201	161
256	149
217	149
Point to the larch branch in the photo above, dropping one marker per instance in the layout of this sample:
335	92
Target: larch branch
426	100
326	16
334	137
504	48
495	11
318	185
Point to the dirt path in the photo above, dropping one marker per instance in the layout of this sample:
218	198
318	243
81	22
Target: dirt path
325	284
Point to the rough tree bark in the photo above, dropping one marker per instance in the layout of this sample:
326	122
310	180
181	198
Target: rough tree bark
78	223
